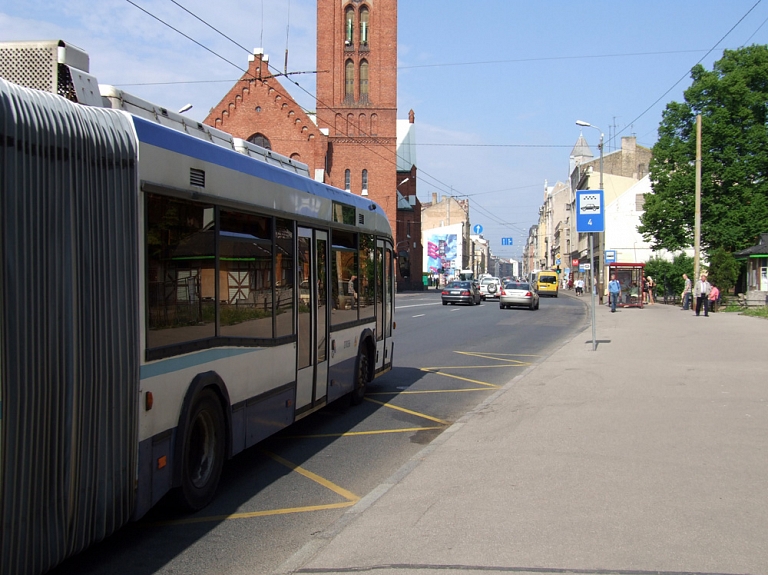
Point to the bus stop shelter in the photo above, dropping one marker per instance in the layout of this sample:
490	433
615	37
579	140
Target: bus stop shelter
630	276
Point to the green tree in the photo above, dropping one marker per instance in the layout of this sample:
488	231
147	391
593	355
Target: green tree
723	270
733	102
669	275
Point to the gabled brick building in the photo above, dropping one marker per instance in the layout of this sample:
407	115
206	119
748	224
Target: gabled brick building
351	142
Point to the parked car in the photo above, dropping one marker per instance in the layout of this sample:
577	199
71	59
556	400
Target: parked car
461	292
518	294
490	287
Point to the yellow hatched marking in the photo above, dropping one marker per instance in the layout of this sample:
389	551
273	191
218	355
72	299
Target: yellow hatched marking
430	370
313	476
425	392
374	432
350	497
493	355
249	515
416	413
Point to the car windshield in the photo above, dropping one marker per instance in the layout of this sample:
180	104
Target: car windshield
461	285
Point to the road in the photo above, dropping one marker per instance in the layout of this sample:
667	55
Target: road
274	497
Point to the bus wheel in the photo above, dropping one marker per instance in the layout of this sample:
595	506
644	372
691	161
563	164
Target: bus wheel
361	381
202	457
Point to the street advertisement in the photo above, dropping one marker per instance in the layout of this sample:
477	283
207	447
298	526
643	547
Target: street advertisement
442	250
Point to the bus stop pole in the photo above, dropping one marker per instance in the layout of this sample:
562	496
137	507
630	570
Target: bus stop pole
592	289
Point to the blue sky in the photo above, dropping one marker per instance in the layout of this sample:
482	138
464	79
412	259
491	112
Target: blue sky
496	86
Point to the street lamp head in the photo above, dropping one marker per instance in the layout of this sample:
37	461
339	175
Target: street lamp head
583	123
185	108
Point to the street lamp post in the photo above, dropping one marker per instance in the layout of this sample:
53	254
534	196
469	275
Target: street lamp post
599	249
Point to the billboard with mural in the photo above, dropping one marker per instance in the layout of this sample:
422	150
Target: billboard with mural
442	250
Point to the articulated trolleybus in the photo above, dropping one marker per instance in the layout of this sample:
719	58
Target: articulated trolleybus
169	298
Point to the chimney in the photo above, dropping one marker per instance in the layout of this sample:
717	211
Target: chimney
434	198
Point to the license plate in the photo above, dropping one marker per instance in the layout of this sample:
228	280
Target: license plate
455	292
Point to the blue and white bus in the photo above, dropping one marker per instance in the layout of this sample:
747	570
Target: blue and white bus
169	299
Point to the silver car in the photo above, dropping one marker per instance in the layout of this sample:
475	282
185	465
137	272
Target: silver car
518	294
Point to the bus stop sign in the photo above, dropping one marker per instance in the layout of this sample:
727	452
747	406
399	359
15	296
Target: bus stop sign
590	215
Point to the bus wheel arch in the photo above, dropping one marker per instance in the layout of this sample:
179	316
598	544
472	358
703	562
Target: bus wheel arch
203	441
363	367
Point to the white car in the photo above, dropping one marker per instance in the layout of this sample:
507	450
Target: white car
490	287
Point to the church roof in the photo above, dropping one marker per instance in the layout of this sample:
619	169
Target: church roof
581	149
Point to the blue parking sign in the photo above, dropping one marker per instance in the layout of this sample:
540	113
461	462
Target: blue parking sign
590	216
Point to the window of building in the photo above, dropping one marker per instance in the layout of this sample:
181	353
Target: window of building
365	182
347	180
349	81
260	140
349	25
364	81
364	26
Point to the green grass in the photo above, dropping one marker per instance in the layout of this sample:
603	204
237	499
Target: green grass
750	311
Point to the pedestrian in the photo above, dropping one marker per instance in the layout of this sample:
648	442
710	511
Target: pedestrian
714	298
570	284
686	292
579	287
644	284
352	290
614	289
651	286
701	293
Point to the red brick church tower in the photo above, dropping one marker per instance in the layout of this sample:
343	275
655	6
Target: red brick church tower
357	96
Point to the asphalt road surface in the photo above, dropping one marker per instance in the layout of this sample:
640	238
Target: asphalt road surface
276	495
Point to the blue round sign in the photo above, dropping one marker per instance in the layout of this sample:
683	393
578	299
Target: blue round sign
477	228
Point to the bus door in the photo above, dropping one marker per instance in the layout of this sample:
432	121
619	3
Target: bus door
312	374
385	300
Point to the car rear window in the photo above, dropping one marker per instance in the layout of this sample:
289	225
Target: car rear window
548	279
462	285
515	285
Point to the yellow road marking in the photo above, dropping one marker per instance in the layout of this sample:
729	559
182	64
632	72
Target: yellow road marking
425	392
511	363
374	432
313	476
492	355
416	413
428	370
249	515
350	497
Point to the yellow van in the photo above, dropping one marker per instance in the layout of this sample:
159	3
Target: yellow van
547	283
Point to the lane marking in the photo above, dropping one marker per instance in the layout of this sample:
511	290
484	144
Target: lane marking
359	433
249	515
416	413
428	392
419	315
350	497
492	385
417	305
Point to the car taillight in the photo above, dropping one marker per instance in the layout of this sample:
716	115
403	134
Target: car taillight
465	293
444	292
528	294
502	292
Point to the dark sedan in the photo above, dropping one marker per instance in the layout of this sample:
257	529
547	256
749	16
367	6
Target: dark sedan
461	292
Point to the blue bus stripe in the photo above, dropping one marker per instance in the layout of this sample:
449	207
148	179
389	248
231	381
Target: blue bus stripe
173	364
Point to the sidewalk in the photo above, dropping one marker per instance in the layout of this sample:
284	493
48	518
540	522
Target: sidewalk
649	454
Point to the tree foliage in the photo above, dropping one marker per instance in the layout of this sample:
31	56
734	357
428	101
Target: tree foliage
723	270
733	102
669	275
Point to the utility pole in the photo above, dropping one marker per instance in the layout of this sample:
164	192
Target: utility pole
697	217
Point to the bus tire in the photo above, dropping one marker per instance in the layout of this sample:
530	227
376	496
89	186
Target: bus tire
362	376
203	452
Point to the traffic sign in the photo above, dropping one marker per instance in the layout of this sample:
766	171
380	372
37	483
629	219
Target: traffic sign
506	241
557	261
610	256
585	267
478	229
589	211
574	262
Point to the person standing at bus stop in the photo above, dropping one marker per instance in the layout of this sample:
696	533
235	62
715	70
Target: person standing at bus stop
701	292
687	292
614	289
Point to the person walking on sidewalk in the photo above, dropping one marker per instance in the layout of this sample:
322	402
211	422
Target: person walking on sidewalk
614	289
701	292
714	297
687	292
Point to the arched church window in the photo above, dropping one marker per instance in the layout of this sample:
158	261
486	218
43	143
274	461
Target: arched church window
364	26
260	140
364	81
349	81
349	25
